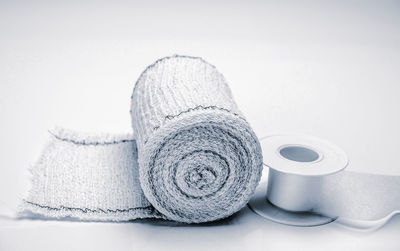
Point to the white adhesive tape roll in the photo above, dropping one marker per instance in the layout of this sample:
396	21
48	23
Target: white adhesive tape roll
307	185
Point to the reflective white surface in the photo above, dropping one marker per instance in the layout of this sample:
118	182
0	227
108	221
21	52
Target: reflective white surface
261	205
329	70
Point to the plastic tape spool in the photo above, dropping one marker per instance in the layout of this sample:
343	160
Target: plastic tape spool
308	186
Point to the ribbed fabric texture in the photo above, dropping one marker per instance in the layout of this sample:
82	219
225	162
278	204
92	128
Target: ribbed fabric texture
176	85
197	158
89	177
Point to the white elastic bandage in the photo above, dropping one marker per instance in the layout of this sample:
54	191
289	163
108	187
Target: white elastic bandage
192	156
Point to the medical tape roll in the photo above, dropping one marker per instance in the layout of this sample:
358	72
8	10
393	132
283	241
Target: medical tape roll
192	156
307	174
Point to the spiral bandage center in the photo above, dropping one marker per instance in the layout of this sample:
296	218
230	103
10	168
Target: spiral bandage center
201	173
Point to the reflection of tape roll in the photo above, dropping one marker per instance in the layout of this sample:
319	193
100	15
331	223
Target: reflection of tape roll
306	174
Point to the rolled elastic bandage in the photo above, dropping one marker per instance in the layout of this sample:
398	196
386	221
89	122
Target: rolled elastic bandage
192	156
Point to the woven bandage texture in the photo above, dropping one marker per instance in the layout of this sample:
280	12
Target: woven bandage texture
192	156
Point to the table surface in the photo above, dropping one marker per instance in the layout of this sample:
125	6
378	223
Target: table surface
327	69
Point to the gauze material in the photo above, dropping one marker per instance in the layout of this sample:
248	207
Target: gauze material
192	156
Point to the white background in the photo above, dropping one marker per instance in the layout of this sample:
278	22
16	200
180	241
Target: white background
328	69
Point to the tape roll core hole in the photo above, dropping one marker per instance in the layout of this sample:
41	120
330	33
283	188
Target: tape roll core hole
299	154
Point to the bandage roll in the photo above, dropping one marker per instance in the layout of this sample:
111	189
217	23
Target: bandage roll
194	154
199	160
